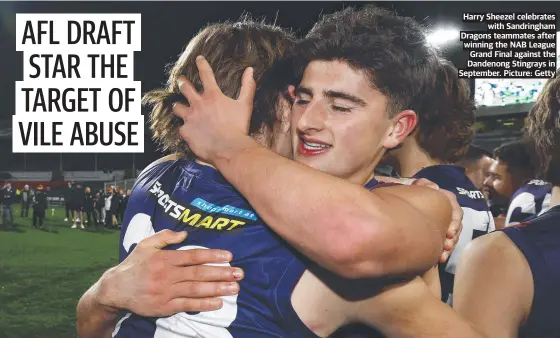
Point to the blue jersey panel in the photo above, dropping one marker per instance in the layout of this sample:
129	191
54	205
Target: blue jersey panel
539	241
477	219
186	195
528	202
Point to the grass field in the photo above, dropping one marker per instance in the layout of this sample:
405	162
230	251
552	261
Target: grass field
43	273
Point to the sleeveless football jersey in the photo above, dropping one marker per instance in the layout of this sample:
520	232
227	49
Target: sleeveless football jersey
539	241
528	202
186	195
477	218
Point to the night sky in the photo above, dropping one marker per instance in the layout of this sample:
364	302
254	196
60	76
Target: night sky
167	28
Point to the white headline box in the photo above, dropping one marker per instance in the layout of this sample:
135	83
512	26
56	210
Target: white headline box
67	92
72	64
100	32
116	133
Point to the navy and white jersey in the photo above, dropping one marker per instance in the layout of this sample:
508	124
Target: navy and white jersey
539	241
186	195
528	202
477	218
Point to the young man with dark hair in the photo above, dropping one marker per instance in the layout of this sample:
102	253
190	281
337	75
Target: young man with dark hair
507	282
441	138
529	201
512	167
348	110
373	223
477	162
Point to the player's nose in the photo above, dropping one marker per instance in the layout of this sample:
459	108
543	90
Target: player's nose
312	118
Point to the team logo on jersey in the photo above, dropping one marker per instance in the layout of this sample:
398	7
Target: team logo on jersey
475	194
201	213
538	182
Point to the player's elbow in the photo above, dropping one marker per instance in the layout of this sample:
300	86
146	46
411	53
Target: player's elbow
383	251
362	251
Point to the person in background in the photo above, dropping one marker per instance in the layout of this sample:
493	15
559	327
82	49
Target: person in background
115	205
26	200
124	202
48	195
8	199
119	200
88	206
96	213
68	204
430	153
529	201
39	207
108	204
101	204
78	207
477	162
101	208
512	167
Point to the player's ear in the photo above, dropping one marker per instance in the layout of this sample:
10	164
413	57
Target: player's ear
283	113
292	92
403	125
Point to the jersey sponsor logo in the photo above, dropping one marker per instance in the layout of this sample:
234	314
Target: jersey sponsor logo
198	214
538	182
227	210
475	194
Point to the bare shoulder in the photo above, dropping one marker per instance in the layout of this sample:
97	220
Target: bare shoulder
495	247
494	258
491	270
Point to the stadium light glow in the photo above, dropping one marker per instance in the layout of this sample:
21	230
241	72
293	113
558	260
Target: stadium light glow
443	36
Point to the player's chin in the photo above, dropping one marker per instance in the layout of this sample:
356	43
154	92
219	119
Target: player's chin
314	162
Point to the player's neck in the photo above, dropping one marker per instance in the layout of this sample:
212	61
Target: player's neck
412	159
555	200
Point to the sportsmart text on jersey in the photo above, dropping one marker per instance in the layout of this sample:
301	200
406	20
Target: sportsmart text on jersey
191	216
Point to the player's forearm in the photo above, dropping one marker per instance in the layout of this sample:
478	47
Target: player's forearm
94	319
426	316
340	225
438	321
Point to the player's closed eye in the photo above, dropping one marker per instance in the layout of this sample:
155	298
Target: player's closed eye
341	109
301	102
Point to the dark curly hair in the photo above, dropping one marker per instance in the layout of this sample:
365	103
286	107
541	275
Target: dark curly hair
229	48
473	154
394	53
447	116
543	128
517	156
391	50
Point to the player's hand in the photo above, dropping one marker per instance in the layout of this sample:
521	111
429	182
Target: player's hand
157	283
214	122
456	225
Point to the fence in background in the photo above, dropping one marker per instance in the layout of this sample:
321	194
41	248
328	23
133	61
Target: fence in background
123	185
